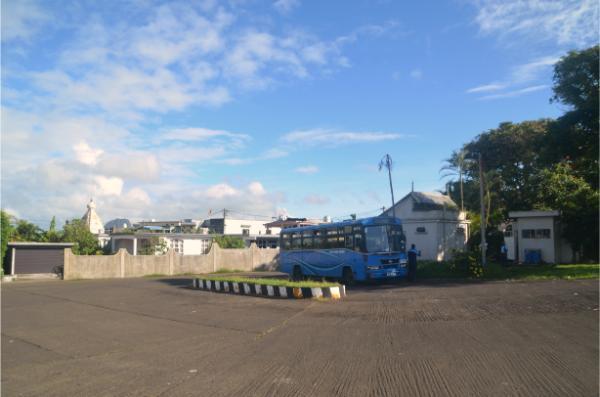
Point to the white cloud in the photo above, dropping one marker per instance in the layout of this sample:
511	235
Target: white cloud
220	191
565	22
286	6
330	137
200	134
307	169
21	19
84	123
533	71
256	189
87	155
515	93
416	74
108	186
486	88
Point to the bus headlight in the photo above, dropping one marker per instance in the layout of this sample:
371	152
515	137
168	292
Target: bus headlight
373	267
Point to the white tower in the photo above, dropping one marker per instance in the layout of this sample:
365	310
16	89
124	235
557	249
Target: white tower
92	220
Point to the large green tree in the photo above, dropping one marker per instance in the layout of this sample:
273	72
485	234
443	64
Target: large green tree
574	135
510	159
77	232
560	188
27	231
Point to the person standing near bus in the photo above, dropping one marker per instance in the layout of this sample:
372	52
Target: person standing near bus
412	263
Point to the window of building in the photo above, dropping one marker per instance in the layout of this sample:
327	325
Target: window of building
460	230
542	233
421	230
528	233
245	232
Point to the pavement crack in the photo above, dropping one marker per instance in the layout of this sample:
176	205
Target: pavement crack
5	335
282	323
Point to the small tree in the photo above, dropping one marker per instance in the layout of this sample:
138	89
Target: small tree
85	242
153	246
53	235
230	242
6	233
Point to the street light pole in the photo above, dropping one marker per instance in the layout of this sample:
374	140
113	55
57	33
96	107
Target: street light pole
386	162
482	222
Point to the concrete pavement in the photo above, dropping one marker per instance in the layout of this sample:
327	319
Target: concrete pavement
155	336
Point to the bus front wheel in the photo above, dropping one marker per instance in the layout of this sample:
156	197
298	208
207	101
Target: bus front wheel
347	276
297	273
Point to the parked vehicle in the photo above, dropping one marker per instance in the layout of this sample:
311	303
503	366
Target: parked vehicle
363	249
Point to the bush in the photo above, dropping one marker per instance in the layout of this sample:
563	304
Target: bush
230	242
466	263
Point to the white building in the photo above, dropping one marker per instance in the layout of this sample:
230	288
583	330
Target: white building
182	243
534	236
433	223
93	222
245	227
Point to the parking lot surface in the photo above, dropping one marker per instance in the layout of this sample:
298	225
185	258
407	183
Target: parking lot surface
157	337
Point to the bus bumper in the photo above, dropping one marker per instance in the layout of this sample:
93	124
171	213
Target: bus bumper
382	274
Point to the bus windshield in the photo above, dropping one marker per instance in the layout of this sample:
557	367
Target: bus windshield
384	238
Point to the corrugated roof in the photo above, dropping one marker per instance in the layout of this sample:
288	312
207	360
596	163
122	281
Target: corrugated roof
433	199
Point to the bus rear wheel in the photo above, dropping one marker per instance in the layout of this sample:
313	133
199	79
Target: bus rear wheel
297	274
347	276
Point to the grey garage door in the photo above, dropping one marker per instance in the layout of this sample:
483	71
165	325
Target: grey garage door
38	260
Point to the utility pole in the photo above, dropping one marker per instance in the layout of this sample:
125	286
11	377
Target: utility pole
482	222
386	162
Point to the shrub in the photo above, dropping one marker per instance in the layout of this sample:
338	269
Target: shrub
466	263
230	242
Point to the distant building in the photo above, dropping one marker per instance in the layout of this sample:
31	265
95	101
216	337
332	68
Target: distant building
171	226
285	223
535	237
182	243
244	227
433	223
93	222
117	224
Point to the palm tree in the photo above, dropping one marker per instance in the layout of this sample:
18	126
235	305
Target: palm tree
455	166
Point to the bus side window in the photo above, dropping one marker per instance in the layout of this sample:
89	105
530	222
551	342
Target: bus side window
307	240
349	237
286	241
358	239
318	240
296	241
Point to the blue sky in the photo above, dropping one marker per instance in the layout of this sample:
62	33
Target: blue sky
173	109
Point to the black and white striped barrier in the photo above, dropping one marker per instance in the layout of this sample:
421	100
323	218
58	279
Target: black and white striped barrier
269	290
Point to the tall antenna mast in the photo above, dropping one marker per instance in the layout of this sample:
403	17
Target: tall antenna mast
386	162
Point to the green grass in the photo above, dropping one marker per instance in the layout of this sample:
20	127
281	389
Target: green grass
275	282
542	272
225	270
494	271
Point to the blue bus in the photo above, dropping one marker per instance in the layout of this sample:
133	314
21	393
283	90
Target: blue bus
363	249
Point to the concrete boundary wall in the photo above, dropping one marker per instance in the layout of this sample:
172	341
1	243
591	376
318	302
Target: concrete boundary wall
122	264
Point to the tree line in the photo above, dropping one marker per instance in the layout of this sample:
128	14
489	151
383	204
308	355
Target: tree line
539	164
74	231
